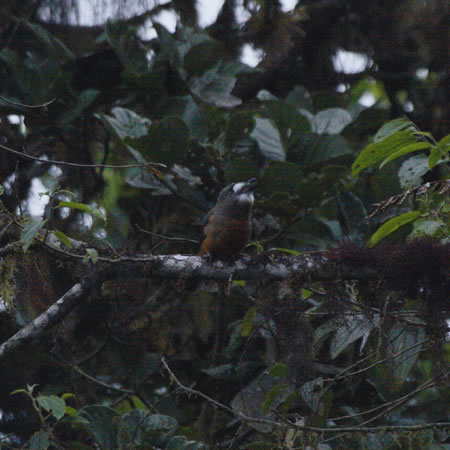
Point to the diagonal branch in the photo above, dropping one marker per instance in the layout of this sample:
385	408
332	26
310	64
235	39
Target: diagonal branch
60	309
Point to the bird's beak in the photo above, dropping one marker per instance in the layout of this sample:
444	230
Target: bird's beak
250	185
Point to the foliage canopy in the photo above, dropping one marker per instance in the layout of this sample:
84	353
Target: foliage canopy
149	131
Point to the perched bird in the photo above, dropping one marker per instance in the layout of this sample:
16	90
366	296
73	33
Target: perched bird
228	226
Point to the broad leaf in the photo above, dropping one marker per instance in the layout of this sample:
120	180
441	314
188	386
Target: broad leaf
405	150
214	88
30	231
122	38
391	127
54	46
412	170
377	152
331	121
300	98
202	57
102	424
82	207
239	127
269	140
52	403
393	225
358	326
290	123
278	370
125	123
316	148
82	102
149	429
400	338
39	441
63	238
167	141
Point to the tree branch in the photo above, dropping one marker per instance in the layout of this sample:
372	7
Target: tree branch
52	316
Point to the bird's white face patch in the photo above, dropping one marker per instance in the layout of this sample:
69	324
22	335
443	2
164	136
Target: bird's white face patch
238	186
246	197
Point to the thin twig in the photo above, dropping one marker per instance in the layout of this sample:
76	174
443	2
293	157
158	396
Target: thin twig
381	361
167	238
88	166
100	383
289	424
27	106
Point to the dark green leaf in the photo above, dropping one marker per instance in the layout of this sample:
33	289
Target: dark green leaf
102	424
167	141
53	45
125	123
250	400
215	88
315	149
392	127
436	155
182	443
71	412
275	392
82	207
269	140
290	123
30	231
353	213
122	38
39	83
412	170
52	403
240	126
280	177
248	321
91	255
312	393
400	338
392	225
434	228
202	57
39	441
350	330
377	152
82	102
153	429
405	150
366	122
331	121
444	144
279	370
63	238
300	98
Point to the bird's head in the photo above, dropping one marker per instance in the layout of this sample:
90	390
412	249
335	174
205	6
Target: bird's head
241	192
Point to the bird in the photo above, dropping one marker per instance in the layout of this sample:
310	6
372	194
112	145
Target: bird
228	226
